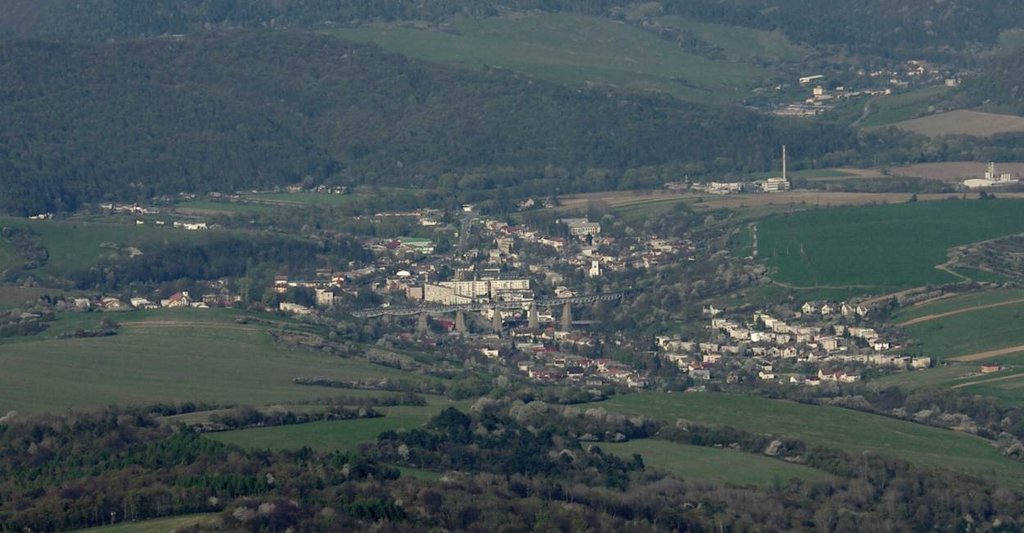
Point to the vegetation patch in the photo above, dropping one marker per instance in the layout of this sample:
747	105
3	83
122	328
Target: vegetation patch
571	49
160	525
713	464
880	247
964	122
854	432
970	332
165	357
345	436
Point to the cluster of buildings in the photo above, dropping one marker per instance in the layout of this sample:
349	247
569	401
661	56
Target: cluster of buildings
177	300
877	82
823	336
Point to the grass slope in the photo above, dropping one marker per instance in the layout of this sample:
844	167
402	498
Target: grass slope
963	302
851	431
880	247
888	110
344	435
971	332
74	245
580	49
712	464
163	357
158	525
964	122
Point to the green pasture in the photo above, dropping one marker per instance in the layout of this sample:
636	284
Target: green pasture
222	207
740	43
305	198
970	332
957	303
851	431
890	109
75	245
165	356
572	49
344	435
880	247
159	525
941	376
713	464
1006	386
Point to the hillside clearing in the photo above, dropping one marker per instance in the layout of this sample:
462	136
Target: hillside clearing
964	122
570	49
713	464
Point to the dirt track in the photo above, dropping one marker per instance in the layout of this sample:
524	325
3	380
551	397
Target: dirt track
1000	378
981	356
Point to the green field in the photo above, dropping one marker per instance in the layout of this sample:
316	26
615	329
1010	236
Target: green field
158	525
970	332
851	431
881	247
75	245
886	110
165	356
345	435
574	49
713	464
740	43
957	303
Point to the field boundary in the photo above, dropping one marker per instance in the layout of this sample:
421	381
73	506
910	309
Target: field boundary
981	356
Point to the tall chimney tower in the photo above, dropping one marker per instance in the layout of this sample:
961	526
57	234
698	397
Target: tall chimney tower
783	161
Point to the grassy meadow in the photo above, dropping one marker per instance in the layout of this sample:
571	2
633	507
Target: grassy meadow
75	245
967	333
165	356
159	525
959	303
713	464
579	50
880	247
851	431
344	435
888	110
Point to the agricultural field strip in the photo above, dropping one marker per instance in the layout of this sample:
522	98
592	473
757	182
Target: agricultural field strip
852	246
991	380
713	464
928	318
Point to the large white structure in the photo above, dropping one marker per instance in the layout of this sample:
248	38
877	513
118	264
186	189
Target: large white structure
579	227
470	291
991	179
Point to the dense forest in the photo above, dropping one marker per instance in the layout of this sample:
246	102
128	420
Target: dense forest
88	122
1001	84
908	28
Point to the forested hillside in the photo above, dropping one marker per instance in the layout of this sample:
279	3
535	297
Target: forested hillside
1000	85
910	28
85	122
